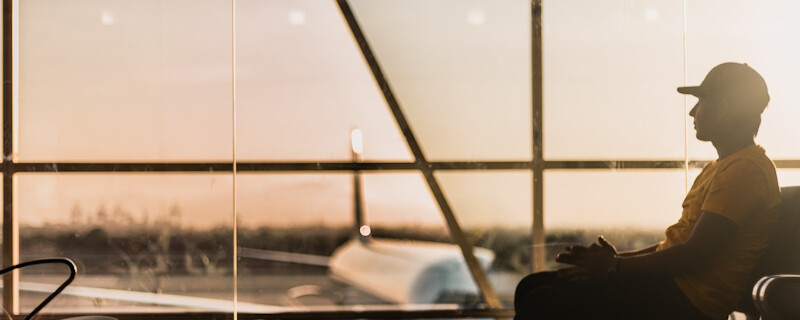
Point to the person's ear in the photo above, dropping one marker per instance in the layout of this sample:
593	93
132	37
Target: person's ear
723	108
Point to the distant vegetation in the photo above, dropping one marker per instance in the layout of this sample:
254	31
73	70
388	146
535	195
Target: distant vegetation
161	249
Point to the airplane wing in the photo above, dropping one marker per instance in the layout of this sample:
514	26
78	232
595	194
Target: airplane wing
281	256
173	303
172	300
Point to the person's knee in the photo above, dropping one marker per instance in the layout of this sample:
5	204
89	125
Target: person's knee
537	280
539	303
533	281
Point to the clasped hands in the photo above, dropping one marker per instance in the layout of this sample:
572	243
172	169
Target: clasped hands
594	261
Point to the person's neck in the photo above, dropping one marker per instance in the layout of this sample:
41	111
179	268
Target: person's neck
728	147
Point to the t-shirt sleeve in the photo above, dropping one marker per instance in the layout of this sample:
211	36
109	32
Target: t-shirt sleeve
737	192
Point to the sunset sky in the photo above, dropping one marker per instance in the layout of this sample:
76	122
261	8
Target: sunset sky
150	80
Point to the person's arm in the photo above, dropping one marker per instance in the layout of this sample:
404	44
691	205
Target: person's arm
638	252
602	243
711	232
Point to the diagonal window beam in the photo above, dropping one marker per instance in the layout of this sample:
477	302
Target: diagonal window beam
478	274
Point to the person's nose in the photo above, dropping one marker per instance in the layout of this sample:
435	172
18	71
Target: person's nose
693	111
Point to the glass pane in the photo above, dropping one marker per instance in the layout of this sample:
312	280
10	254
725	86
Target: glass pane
124	80
400	200
610	73
415	263
303	85
142	242
715	36
289	225
460	70
495	209
632	208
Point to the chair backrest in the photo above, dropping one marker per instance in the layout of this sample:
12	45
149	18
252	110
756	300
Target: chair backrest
776	297
782	256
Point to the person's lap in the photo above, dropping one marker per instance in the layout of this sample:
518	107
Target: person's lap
620	296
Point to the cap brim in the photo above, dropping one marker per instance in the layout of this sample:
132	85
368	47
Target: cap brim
695	91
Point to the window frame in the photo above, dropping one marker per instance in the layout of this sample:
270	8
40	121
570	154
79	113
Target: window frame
427	168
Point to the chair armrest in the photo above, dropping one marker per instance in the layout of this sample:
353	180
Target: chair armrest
778	297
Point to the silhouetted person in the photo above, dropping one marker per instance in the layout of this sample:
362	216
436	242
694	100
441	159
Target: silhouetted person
702	269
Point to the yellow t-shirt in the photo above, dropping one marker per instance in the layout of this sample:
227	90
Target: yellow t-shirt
742	187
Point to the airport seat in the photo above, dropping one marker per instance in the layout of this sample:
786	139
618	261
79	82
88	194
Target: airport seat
776	297
776	277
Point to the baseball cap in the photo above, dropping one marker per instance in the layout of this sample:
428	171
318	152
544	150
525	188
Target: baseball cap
736	81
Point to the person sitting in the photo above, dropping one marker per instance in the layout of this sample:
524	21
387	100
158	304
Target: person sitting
703	267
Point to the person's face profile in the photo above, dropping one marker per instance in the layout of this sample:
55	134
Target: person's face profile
706	115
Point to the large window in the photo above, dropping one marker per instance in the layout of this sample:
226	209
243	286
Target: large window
353	158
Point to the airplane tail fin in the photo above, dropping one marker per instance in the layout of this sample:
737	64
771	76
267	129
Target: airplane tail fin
361	229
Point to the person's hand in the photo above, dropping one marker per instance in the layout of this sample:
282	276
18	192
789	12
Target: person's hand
601	245
598	258
574	251
607	245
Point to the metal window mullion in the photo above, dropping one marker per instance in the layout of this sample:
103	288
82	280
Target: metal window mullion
538	248
10	221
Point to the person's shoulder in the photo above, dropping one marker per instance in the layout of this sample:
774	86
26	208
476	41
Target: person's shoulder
753	169
750	158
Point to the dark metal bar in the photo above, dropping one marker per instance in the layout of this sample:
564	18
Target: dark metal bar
539	164
359	166
260	166
121	167
325	166
623	164
388	314
787	164
521	165
10	221
8	89
10	247
478	274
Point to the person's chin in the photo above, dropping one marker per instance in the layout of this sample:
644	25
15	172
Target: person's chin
701	137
